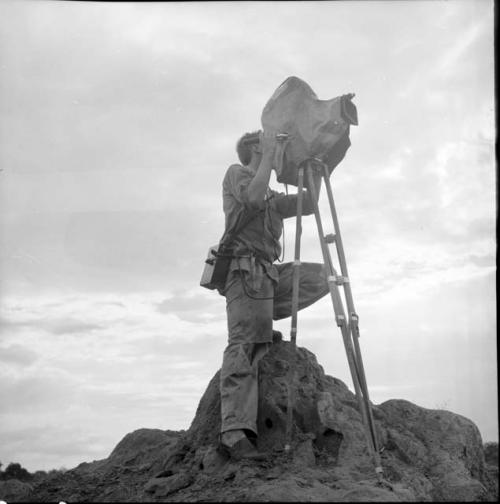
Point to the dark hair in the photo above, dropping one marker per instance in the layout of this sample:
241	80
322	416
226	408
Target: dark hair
243	146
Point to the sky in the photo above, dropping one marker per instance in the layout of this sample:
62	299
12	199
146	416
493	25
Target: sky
117	124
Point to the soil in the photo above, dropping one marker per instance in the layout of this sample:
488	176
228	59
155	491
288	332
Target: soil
426	455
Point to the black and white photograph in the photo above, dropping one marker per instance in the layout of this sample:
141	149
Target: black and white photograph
248	251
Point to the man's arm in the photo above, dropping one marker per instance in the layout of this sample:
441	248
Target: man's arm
258	186
287	205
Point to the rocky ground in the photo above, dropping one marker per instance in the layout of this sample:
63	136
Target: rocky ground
427	455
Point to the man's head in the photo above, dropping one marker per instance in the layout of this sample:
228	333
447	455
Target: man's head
247	145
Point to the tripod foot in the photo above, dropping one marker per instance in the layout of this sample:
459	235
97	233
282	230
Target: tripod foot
382	483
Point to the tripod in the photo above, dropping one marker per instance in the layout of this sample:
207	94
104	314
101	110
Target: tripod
348	325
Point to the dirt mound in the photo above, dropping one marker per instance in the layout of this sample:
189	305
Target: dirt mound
427	455
13	489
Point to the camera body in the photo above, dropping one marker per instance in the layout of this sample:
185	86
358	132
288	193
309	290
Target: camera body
307	128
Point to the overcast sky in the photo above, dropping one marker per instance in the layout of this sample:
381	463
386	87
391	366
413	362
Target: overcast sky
117	124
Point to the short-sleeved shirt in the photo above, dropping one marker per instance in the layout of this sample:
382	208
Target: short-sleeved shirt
261	234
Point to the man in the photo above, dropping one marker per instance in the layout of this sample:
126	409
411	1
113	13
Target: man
256	290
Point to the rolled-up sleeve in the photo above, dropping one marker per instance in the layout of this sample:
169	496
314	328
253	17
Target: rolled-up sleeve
236	184
235	196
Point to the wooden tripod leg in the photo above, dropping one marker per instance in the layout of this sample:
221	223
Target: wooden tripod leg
295	308
340	315
353	322
296	262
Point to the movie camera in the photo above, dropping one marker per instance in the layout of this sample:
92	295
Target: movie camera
305	128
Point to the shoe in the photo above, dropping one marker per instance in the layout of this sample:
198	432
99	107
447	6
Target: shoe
241	450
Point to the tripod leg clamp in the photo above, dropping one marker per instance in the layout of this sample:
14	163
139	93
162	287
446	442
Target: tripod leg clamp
338	280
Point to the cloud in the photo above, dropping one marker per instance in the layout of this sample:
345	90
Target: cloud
195	306
17	354
71	327
54	326
118	122
454	56
483	261
142	368
49	446
35	393
134	153
131	333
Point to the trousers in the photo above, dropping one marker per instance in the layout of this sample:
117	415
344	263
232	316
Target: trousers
256	295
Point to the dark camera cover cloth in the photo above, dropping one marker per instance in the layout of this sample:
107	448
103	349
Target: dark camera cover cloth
315	128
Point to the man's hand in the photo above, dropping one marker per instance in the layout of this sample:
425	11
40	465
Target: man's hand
267	144
259	184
